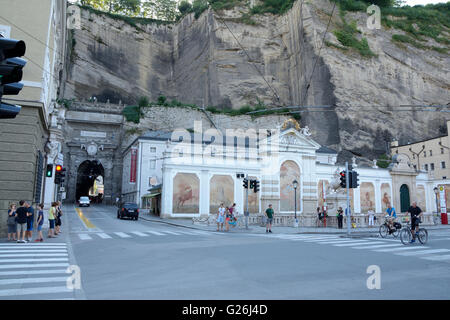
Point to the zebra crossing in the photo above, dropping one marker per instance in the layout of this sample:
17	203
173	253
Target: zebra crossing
34	271
141	234
393	246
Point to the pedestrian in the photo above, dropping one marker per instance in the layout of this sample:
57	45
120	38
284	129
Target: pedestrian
30	222
40	222
269	219
58	218
340	217
371	215
228	218
51	220
220	217
22	214
12	223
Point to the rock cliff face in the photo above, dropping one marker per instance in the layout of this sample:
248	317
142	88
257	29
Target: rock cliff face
201	61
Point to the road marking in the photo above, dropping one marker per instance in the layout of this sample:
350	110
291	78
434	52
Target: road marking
140	234
122	235
397	249
156	233
191	233
84	236
337	241
422	252
32	280
103	235
36	265
32	260
85	220
28	291
32	244
379	246
37	251
33	255
29	272
170	232
356	243
437	258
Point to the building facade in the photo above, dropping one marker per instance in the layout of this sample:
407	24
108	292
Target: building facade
31	140
195	176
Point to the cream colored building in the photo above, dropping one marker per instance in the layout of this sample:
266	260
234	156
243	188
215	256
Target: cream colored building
25	140
431	156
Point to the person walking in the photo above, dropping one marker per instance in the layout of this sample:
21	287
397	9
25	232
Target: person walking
30	222
51	220
220	217
340	216
58	218
40	222
371	215
22	214
228	218
12	224
269	219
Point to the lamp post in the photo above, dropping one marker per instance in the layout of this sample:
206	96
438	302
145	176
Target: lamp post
295	184
436	191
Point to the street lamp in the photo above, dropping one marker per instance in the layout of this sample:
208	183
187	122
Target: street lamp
295	184
436	191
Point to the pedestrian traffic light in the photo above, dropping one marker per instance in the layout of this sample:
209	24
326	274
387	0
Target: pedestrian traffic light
49	171
245	183
343	183
252	184
256	186
10	74
353	179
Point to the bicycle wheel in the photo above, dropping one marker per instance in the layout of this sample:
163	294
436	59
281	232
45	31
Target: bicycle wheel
405	236
396	233
384	231
423	236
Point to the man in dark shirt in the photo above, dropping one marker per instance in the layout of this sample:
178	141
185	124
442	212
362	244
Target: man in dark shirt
416	214
22	214
30	222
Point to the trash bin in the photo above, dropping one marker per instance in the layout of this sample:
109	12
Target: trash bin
444	218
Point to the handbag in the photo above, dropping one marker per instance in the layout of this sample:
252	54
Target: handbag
11	220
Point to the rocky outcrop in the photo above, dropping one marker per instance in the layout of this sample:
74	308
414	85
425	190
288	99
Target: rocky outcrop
218	60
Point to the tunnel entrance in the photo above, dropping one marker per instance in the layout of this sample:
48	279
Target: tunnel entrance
90	176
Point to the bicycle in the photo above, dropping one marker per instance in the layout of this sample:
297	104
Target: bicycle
386	230
406	234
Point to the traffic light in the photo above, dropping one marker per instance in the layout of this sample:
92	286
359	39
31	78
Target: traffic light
10	74
252	184
62	175
343	183
256	186
353	179
49	171
245	183
58	171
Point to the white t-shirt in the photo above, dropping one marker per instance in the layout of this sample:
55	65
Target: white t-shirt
221	211
371	213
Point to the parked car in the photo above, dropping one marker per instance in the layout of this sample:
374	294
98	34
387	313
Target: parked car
84	202
128	209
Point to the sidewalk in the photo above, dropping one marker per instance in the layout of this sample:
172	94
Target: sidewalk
187	223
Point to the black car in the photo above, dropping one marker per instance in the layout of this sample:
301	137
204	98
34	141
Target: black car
128	209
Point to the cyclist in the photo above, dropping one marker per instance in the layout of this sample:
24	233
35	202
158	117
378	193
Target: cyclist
391	215
416	214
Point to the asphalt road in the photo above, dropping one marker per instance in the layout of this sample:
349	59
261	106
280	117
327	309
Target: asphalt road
126	259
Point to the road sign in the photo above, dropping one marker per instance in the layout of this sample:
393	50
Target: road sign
62	189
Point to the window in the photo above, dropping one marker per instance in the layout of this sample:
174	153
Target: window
442	150
415	167
153	149
152	164
431	153
414	156
443	164
431	166
444	177
426	167
424	154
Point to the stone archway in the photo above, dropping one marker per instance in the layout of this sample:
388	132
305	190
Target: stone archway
404	198
87	173
289	171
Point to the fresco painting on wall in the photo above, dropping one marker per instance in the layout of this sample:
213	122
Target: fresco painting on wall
186	193
221	191
367	197
289	172
385	196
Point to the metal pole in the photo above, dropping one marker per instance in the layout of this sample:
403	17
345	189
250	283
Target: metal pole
348	198
246	212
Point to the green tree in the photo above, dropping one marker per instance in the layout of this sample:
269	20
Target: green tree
184	7
166	9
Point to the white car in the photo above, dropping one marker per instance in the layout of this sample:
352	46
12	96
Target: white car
84	201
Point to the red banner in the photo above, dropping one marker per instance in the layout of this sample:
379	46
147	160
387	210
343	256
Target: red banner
133	166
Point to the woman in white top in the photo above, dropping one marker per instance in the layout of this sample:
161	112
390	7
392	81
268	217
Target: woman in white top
371	214
220	217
